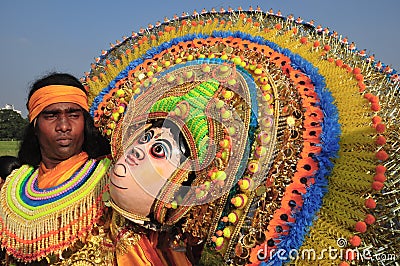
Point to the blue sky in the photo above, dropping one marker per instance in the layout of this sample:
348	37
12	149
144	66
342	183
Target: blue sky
37	37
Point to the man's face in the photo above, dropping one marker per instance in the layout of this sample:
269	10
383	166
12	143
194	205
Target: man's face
138	176
60	131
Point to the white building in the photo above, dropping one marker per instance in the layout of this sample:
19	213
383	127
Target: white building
10	107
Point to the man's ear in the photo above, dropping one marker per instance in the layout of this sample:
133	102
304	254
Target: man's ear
35	126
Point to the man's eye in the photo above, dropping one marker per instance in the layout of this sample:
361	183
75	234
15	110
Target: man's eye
74	115
159	150
145	138
50	116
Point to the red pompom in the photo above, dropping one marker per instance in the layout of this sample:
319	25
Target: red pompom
349	255
368	95
380	128
327	48
356	71
361	85
376	120
375	107
343	263
380	140
339	63
361	227
303	40
370	203
380	178
376	185
316	44
374	99
381	155
355	241
380	169
359	77
369	219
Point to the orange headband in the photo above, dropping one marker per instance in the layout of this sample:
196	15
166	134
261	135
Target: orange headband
47	95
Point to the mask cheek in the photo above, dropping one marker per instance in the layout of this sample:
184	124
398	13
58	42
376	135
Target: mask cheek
119	170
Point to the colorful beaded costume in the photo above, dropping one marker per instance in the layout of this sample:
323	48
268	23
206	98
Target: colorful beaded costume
293	132
49	223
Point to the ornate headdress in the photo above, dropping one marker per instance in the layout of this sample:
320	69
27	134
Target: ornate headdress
293	133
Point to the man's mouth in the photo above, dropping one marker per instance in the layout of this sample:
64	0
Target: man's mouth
64	141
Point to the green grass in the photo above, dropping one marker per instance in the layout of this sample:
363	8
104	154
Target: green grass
9	148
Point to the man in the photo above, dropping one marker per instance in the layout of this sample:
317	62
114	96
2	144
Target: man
52	204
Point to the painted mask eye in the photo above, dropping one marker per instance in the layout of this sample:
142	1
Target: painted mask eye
159	150
146	137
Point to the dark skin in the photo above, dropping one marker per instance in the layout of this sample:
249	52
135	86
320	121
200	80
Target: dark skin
60	132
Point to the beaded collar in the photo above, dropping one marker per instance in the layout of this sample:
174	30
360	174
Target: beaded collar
36	222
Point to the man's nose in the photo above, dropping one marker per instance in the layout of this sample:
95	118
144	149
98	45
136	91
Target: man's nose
63	124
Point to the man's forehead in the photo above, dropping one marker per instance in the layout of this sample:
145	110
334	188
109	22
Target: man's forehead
63	106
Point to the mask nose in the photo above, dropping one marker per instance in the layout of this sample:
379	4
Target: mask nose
138	153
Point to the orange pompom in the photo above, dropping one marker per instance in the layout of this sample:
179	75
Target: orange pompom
361	85
355	241
374	99
278	26
343	263
370	203
356	71
368	96
359	77
375	107
303	40
376	120
369	219
376	185
316	44
349	255
327	48
361	227
330	59
380	140
380	178
339	63
380	169
381	155
380	128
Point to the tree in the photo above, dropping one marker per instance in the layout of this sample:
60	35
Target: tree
12	125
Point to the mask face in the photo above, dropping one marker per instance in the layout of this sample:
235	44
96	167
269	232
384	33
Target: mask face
142	171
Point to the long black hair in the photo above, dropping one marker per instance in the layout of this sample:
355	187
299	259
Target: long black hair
7	164
94	143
